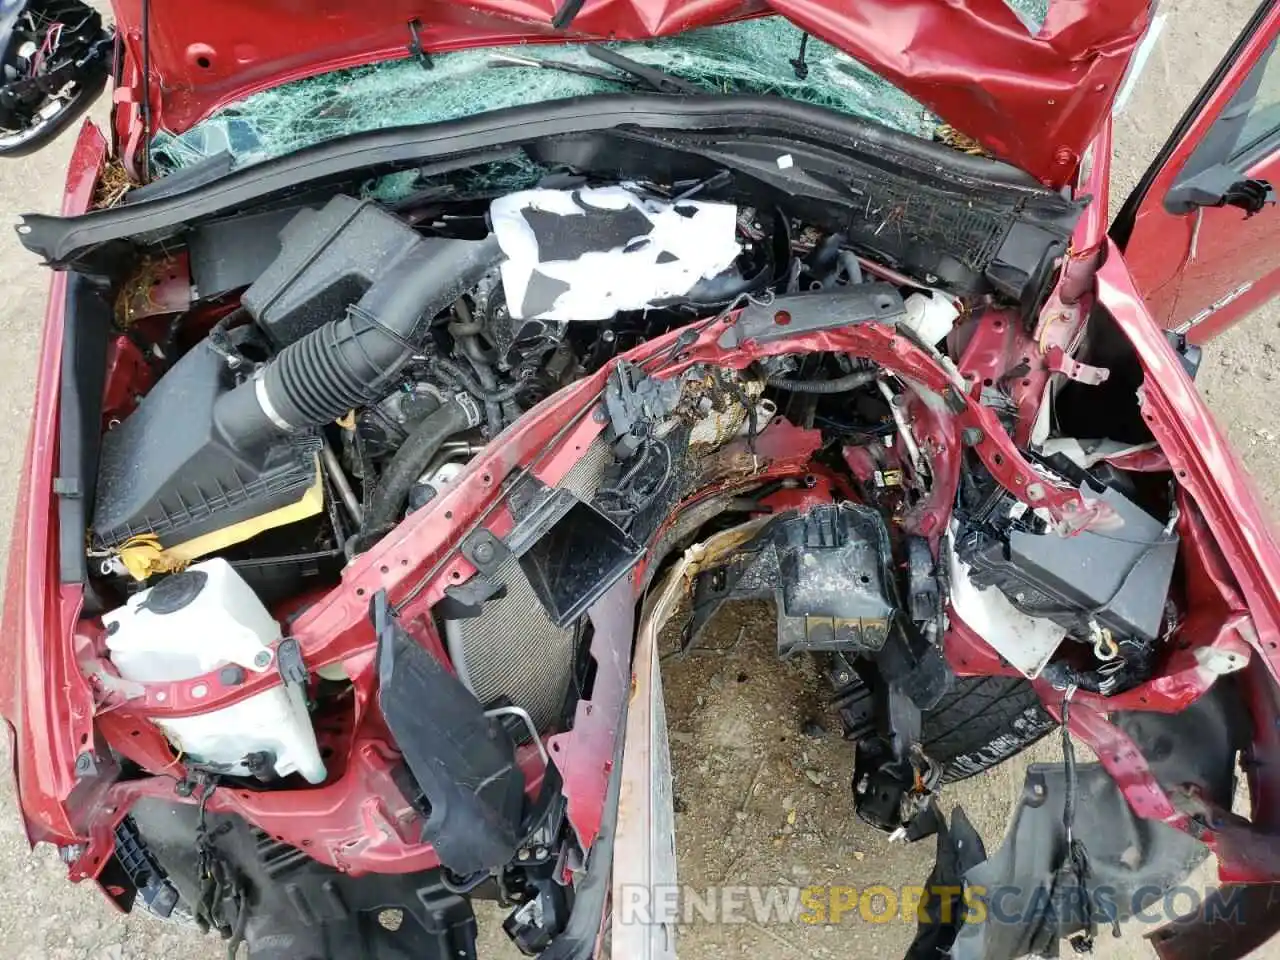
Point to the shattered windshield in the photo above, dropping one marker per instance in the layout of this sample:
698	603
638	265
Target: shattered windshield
762	56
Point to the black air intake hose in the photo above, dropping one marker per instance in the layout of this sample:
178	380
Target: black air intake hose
850	381
352	362
413	457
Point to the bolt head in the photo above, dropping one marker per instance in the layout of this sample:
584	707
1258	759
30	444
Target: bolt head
262	658
483	551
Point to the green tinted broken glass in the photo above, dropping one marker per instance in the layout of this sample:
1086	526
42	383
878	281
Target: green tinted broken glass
752	56
1031	12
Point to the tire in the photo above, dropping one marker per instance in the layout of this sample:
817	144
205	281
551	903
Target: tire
982	723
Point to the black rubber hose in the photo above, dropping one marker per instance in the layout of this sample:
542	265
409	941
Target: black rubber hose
451	371
492	408
722	288
220	340
848	382
423	443
466	335
489	383
353	361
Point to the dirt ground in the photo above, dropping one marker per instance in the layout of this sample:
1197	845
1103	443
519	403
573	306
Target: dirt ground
763	803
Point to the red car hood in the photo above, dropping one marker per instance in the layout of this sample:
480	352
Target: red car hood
1032	100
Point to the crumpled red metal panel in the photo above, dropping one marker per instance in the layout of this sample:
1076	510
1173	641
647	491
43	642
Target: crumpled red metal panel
1032	100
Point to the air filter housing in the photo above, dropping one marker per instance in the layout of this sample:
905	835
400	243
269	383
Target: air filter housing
168	471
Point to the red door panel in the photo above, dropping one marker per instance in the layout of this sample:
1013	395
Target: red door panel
1201	266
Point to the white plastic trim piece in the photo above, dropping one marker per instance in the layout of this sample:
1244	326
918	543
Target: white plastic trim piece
1026	642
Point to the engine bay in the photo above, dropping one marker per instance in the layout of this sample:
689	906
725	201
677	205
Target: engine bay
380	490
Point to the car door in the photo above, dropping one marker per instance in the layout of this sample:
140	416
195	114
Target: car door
1201	233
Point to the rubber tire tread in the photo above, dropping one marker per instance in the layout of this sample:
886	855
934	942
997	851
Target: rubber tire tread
982	723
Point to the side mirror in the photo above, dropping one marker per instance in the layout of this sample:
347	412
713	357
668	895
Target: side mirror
1190	354
51	69
1219	186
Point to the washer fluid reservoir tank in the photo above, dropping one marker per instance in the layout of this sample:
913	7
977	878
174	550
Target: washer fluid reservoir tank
198	620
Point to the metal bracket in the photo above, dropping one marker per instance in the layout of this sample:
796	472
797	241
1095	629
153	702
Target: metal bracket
806	312
485	551
1059	362
289	662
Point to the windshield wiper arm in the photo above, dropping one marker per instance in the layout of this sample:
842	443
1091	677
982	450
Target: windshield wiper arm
659	80
512	60
566	14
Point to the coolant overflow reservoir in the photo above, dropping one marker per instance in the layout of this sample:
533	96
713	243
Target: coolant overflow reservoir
199	620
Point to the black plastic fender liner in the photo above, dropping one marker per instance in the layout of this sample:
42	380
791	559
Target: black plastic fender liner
1033	901
959	849
1132	862
299	907
462	759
